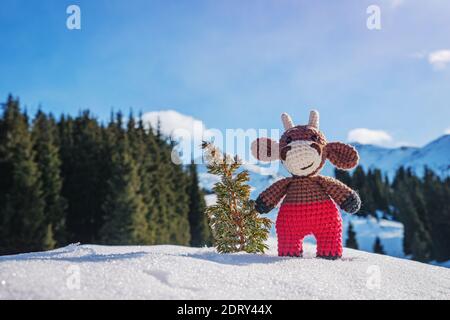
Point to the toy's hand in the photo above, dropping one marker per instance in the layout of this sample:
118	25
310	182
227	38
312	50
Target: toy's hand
261	207
352	203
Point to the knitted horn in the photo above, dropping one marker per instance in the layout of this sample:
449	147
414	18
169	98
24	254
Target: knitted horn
287	121
314	119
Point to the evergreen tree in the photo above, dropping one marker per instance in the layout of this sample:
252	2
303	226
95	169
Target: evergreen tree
84	176
149	175
5	165
361	185
162	190
378	247
380	191
343	176
235	223
351	241
179	217
125	219
437	195
410	210
22	221
198	220
143	147
358	178
368	199
44	134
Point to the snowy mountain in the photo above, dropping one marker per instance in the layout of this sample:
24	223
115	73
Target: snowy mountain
387	160
435	155
175	272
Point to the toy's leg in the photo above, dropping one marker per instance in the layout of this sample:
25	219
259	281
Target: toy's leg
290	238
289	244
329	245
328	233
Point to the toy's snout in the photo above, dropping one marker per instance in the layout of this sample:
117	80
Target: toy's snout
301	158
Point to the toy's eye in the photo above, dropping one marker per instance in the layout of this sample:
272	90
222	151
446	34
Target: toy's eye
288	140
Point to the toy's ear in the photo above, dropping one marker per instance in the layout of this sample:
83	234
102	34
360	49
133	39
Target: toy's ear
265	149
342	155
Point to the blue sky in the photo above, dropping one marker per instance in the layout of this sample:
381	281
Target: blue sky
237	64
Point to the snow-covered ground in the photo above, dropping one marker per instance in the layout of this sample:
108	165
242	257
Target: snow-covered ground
175	272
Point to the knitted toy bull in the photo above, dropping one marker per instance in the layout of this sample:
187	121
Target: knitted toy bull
310	200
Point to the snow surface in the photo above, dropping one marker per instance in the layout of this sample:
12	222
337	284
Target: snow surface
175	272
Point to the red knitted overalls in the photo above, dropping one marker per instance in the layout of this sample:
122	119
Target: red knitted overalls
320	218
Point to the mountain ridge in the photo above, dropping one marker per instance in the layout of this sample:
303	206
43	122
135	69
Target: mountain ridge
435	155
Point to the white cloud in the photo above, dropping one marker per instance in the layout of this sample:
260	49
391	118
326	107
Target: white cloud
439	59
447	131
368	136
189	132
176	125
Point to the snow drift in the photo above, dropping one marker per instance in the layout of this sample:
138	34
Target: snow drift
175	272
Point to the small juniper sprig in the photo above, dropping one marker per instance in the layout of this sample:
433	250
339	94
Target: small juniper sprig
235	223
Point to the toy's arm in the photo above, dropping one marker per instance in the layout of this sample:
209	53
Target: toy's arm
346	198
270	197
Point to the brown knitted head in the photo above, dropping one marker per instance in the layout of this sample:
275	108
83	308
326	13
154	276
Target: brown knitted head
303	149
